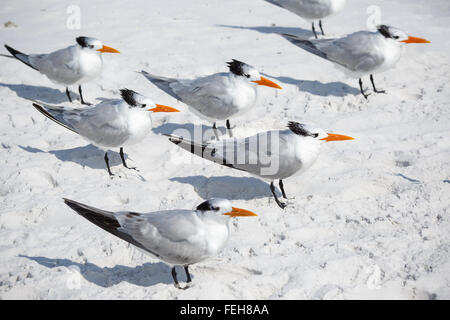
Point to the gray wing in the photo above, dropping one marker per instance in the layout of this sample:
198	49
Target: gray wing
203	150
20	56
104	219
176	236
100	124
357	51
59	65
55	114
308	45
207	96
167	235
274	2
266	154
165	84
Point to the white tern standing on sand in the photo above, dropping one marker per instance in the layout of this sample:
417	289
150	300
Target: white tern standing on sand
74	65
311	10
177	237
111	123
220	96
271	155
361	53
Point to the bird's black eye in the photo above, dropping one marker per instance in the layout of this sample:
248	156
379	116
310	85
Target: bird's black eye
215	208
396	37
315	135
247	75
91	46
144	105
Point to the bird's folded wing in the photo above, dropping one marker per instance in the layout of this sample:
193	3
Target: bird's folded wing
165	234
104	219
57	114
308	45
208	151
165	84
57	63
356	52
249	154
274	2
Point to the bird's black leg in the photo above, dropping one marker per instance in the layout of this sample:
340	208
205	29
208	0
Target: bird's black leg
282	189
362	90
229	128
81	96
314	30
122	156
280	204
188	276
215	131
68	94
175	280
174	276
373	85
320	25
107	164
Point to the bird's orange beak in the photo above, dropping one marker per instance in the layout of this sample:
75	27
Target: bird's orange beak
336	137
162	108
108	49
266	82
237	212
415	40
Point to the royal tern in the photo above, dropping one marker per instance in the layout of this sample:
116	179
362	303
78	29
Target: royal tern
74	65
361	53
311	10
177	237
111	123
271	155
220	96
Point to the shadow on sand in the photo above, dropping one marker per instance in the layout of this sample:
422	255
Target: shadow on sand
231	188
44	94
145	275
88	155
299	32
317	88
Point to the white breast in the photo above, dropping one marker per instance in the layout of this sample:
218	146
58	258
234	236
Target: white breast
243	96
392	52
139	126
90	64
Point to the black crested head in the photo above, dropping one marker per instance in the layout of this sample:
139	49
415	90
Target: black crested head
129	97
384	30
82	41
236	67
206	206
299	129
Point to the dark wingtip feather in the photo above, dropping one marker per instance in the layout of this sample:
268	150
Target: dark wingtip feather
13	51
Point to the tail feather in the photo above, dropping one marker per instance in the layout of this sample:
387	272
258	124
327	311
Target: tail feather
104	219
20	56
53	115
274	2
162	82
305	45
203	150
